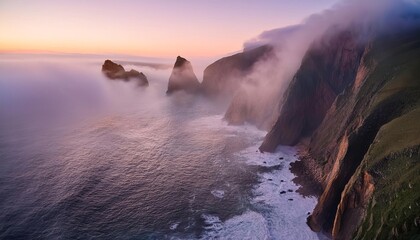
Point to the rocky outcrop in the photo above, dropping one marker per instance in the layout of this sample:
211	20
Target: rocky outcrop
112	70
183	77
223	77
328	67
116	71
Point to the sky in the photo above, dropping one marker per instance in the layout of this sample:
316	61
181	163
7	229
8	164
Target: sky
145	27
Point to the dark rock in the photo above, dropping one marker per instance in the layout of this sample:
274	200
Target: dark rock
290	190
282	192
112	70
328	67
141	78
281	158
270	179
116	71
281	180
290	199
183	77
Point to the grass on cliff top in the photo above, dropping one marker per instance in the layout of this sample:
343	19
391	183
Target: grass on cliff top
399	73
394	160
401	133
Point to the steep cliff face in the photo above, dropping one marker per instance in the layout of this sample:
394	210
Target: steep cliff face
183	77
368	145
328	67
223	77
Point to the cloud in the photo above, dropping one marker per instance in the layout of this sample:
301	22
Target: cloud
270	77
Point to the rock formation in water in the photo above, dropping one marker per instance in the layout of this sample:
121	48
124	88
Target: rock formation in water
223	77
116	71
359	102
183	77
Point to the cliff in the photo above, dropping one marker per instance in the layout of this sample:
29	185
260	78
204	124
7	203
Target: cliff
359	103
224	77
183	77
116	71
327	68
368	147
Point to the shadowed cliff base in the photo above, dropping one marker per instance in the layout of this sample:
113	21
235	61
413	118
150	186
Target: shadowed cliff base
308	173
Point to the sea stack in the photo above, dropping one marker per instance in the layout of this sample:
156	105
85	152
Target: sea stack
183	77
116	71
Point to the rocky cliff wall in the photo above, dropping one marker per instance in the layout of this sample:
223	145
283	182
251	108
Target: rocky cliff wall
328	68
368	146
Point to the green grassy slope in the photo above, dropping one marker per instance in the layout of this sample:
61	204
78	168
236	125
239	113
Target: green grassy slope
381	120
394	161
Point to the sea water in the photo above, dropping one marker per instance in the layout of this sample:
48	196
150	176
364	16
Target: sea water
82	156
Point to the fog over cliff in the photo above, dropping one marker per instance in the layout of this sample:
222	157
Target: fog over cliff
271	76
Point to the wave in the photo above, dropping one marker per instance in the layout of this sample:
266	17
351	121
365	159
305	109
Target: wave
277	211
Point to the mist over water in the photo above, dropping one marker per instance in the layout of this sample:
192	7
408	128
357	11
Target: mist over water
82	156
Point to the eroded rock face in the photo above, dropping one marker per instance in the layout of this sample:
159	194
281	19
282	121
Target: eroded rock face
364	145
223	77
328	67
183	77
116	71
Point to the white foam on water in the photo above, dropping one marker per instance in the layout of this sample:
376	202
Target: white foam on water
274	215
174	226
218	193
249	225
286	213
216	122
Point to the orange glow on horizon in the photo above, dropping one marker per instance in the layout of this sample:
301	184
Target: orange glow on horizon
144	28
138	50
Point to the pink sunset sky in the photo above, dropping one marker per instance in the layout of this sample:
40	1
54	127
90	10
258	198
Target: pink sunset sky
147	28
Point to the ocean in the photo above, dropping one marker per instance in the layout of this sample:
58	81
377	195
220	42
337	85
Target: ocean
85	157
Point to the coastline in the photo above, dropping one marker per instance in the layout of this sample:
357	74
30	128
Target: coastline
308	173
308	176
